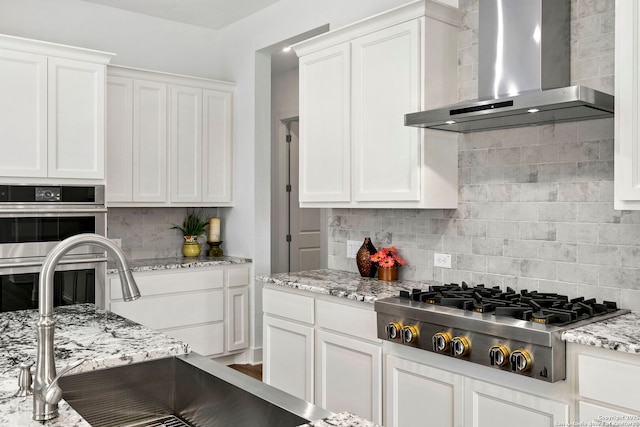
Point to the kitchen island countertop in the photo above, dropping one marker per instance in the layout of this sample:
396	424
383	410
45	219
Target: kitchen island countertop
102	338
175	263
621	333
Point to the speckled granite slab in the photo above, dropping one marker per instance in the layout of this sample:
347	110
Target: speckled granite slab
342	419
620	333
342	284
179	262
102	338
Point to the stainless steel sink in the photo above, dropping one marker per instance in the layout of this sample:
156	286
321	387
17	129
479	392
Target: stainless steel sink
188	390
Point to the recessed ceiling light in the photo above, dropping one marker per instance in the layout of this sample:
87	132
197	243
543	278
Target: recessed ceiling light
450	122
533	110
286	49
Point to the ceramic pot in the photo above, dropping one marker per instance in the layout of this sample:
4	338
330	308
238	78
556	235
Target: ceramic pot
191	247
363	259
388	274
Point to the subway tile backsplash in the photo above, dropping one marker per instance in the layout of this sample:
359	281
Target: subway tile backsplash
535	203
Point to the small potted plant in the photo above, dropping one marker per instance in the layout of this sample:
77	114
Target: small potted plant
192	227
388	261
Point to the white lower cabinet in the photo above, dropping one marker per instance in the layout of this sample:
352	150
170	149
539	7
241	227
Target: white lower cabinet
324	350
348	375
414	389
206	308
490	405
608	386
288	357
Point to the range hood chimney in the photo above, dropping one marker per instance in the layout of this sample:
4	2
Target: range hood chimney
524	51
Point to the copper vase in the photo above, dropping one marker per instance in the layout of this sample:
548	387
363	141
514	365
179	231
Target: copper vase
388	274
363	259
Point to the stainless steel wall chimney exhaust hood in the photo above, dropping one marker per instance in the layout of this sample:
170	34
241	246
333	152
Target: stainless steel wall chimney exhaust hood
524	72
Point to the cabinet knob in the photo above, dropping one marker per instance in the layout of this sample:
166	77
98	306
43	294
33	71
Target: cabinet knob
499	355
409	334
521	360
460	346
441	342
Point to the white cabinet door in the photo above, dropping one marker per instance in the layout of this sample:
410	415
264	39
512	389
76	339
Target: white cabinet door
217	150
325	125
237	318
627	105
288	357
76	99
119	139
489	405
185	125
23	114
149	141
349	375
413	389
385	84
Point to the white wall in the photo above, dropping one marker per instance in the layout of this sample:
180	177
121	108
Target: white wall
139	41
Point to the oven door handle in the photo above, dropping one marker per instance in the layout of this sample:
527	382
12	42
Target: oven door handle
64	261
44	210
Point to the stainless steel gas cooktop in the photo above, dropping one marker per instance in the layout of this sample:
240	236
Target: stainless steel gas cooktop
518	332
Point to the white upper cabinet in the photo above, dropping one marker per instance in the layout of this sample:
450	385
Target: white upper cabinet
178	133
356	85
53	107
76	119
217	145
627	105
325	155
23	122
386	81
186	143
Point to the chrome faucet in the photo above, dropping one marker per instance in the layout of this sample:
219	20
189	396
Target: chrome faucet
46	392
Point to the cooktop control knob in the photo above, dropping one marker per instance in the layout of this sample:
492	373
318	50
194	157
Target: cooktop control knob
460	346
393	330
499	355
441	341
409	334
520	360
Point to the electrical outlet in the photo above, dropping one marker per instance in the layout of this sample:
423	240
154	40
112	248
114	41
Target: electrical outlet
352	248
442	260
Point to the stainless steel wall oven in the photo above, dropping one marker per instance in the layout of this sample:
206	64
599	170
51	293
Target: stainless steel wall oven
33	219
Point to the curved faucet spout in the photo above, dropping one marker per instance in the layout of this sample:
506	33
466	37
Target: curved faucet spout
45	402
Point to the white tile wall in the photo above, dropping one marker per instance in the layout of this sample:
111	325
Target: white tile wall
536	207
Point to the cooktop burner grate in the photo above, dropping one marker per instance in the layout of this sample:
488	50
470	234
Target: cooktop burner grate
534	306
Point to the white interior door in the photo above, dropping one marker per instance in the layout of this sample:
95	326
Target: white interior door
304	223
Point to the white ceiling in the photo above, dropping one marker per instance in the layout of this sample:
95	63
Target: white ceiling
214	14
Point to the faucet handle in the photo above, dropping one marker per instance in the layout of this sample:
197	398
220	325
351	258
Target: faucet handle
25	379
53	393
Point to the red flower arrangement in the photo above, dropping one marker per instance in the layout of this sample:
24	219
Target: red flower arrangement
387	257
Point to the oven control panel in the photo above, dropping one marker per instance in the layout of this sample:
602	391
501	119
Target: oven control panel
47	194
537	361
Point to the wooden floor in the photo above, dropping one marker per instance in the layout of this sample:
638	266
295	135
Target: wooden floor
254	371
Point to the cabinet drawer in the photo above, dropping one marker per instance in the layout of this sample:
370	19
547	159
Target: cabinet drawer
238	276
206	340
347	319
609	381
285	304
170	282
588	412
173	311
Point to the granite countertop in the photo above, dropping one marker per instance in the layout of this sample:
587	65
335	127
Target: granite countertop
174	263
621	333
342	284
342	419
83	331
